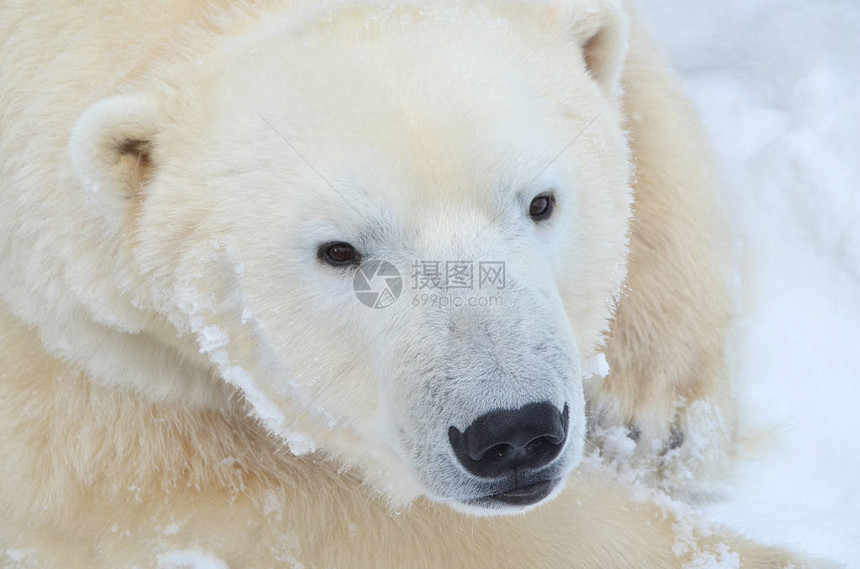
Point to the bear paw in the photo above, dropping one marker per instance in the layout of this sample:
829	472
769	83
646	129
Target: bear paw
681	448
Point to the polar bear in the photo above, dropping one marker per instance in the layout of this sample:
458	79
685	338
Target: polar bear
192	193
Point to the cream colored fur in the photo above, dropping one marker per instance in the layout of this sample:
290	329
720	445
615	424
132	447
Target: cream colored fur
93	477
163	390
668	382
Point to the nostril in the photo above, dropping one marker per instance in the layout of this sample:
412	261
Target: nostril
539	444
496	452
499	441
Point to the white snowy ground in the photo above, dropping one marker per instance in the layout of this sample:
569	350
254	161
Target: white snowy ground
778	85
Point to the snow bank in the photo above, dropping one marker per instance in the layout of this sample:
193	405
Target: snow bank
778	85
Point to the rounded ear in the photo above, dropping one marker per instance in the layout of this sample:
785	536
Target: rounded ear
601	29
110	149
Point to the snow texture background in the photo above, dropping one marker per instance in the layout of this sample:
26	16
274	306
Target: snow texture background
778	86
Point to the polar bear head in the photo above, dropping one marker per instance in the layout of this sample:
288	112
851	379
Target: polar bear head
397	230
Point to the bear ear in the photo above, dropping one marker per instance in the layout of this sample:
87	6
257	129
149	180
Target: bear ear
111	149
601	29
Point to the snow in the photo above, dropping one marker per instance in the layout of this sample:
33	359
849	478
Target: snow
17	555
722	558
778	86
615	442
191	305
211	338
189	559
596	367
171	529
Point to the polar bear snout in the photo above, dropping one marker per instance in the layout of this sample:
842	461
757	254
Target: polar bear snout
521	441
500	441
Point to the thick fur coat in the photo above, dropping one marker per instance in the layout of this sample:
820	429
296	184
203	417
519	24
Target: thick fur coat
183	381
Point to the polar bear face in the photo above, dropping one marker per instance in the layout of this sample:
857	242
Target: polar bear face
397	233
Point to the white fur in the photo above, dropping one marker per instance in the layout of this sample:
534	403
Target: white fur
155	293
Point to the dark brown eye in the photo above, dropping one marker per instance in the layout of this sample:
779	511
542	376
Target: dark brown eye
541	207
339	254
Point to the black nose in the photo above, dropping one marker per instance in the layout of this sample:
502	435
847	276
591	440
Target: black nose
503	440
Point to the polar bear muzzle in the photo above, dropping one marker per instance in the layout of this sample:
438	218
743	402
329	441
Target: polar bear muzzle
521	440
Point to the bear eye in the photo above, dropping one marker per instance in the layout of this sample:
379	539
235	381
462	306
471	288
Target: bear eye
339	254
542	207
